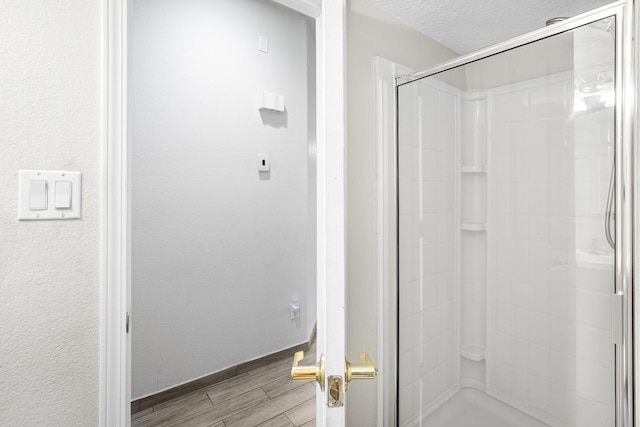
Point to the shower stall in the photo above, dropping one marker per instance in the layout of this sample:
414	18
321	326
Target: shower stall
514	232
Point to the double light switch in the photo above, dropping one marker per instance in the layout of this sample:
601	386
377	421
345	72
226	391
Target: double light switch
49	195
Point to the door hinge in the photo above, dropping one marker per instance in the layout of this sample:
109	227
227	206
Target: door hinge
616	317
127	322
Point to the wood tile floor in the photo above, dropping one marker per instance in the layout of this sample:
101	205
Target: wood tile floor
265	397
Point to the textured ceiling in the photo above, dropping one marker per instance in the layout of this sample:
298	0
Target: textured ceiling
468	25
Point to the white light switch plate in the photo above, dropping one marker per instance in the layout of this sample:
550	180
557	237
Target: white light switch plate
71	181
264	162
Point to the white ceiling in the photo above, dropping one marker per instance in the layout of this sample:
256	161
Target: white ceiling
468	25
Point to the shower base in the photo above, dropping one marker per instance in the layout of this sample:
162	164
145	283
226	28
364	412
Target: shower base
473	408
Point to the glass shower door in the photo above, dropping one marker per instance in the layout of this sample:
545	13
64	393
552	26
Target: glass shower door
506	243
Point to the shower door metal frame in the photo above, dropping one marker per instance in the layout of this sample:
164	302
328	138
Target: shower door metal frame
626	14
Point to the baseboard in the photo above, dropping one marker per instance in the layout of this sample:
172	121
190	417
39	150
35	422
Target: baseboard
216	377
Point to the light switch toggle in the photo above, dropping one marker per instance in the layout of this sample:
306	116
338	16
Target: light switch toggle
264	162
37	195
49	195
63	194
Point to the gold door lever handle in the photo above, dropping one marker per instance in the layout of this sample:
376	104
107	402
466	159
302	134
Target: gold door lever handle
307	373
356	372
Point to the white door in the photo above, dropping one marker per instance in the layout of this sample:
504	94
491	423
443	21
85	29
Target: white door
330	36
331	372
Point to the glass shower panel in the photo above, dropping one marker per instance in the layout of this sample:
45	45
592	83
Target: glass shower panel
506	224
427	250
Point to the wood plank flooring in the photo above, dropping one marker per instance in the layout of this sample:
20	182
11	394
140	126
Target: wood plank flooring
264	397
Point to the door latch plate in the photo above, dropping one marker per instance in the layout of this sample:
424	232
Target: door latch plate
336	391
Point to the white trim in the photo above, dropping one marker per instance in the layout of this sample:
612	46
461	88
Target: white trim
321	190
311	8
386	237
633	103
115	369
331	207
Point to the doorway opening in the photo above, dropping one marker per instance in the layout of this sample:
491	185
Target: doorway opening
222	156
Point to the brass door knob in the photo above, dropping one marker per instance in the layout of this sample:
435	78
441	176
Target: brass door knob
357	372
308	373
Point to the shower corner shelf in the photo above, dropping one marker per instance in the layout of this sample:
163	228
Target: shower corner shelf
473	226
473	169
472	352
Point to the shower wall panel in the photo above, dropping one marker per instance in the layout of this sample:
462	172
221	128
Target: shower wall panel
473	239
549	345
427	150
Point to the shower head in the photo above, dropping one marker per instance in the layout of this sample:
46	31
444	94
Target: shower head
594	92
608	24
555	20
593	84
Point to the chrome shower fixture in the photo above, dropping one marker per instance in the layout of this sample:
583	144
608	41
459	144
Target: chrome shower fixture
608	25
555	20
594	92
593	84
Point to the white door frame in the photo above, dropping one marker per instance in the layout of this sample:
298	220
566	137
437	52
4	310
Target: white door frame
115	342
386	237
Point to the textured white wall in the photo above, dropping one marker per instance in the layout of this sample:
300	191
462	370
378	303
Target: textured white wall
50	101
218	250
370	33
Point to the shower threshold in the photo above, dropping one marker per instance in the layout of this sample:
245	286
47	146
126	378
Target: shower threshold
472	408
